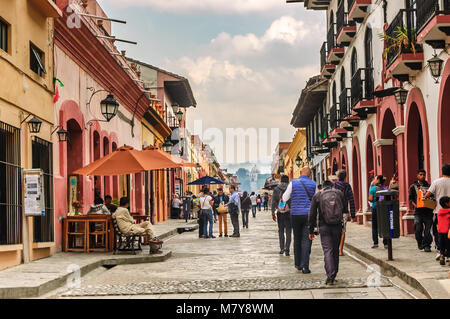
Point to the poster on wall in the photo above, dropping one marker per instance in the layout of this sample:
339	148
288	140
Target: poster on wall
178	190
34	201
73	194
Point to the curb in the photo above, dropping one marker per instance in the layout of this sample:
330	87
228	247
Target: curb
37	291
429	287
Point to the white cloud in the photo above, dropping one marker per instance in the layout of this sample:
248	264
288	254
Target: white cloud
217	6
285	30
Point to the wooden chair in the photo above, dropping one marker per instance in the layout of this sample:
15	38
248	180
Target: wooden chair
123	242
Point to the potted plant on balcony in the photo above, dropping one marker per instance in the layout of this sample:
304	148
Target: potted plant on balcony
403	41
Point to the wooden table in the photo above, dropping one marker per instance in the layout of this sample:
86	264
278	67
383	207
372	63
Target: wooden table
78	232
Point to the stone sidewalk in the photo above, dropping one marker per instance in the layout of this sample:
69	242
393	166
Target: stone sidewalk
41	276
417	268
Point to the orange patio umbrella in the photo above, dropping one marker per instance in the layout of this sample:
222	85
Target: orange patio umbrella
126	160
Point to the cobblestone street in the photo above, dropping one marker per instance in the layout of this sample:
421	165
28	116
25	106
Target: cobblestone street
245	267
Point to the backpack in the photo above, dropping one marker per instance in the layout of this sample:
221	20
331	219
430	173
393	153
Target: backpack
286	208
331	207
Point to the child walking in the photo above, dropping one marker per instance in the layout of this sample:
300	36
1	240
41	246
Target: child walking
443	228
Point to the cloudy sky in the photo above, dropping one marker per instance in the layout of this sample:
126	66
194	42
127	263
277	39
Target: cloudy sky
246	60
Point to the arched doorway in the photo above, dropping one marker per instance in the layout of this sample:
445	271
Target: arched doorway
444	115
335	167
356	175
389	159
415	143
74	160
344	165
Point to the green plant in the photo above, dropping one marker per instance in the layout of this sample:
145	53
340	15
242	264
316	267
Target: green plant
403	38
116	202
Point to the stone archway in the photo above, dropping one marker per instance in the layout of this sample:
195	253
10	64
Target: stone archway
443	116
356	174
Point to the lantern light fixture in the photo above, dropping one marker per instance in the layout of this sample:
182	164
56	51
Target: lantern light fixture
34	125
167	146
175	107
401	95
109	107
179	115
63	135
435	64
298	161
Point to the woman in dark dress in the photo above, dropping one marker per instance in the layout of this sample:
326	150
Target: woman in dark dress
246	205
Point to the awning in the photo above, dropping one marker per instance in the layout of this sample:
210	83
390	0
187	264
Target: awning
180	92
311	100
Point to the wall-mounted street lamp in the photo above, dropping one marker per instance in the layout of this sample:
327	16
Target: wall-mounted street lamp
401	95
167	146
435	64
63	135
175	107
109	106
179	115
34	125
298	161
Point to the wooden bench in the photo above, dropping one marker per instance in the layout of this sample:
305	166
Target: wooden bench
123	242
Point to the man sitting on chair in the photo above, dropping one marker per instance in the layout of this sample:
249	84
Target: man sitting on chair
127	224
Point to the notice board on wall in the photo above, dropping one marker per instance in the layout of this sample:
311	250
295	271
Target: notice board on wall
34	201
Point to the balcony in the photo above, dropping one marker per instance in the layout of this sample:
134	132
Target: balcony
345	29
362	97
314	4
357	9
335	53
335	118
326	69
403	61
47	7
349	120
433	22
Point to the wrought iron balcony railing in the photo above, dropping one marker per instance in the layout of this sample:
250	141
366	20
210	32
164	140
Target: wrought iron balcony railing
331	39
362	86
325	129
323	55
427	9
344	103
405	21
334	117
342	18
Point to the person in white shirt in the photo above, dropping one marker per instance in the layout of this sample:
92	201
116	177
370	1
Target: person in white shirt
439	188
176	207
206	206
253	198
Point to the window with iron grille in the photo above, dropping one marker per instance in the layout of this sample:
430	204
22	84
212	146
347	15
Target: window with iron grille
37	60
43	159
10	186
4	29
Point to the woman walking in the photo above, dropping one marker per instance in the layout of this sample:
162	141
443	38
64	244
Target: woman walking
259	202
206	205
246	204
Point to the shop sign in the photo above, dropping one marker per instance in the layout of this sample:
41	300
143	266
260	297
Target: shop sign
34	201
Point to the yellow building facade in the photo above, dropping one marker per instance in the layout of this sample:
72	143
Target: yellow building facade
26	93
297	149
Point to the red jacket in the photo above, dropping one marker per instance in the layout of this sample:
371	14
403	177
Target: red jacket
443	220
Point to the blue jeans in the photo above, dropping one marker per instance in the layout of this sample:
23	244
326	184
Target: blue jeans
208	218
375	227
302	243
254	210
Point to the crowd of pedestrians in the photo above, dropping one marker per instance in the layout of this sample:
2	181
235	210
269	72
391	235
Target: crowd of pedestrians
211	207
305	209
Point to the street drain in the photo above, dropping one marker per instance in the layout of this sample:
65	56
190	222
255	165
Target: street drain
109	266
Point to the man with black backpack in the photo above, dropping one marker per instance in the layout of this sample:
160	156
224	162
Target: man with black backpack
283	216
330	205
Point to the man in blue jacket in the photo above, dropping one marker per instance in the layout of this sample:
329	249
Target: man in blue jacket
301	192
